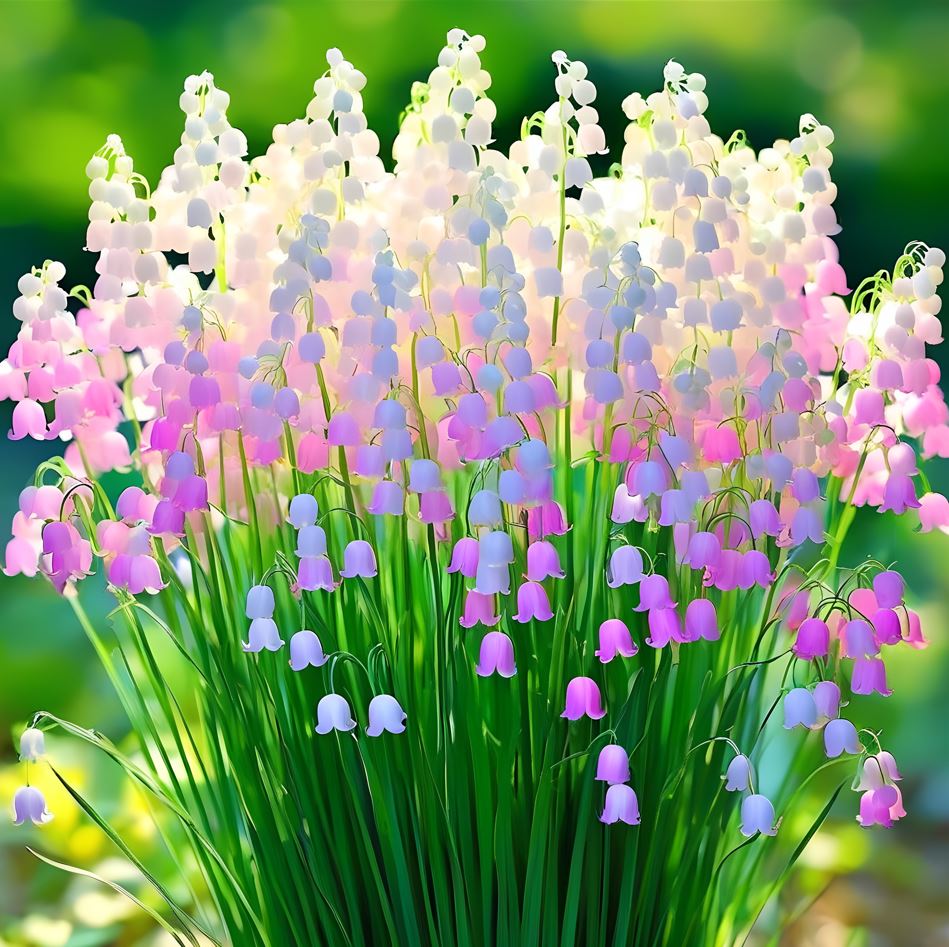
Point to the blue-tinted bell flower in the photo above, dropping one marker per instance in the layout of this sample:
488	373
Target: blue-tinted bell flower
385	713
28	803
260	602
333	713
827	700
306	651
32	744
263	635
612	765
621	805
485	509
304	510
311	541
358	559
799	709
840	736
496	549
424	476
757	815
739	774
626	567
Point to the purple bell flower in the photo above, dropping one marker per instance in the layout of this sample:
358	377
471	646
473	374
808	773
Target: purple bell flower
764	519
859	639
28	803
387	499
888	588
621	805
543	562
612	765
615	639
701	620
496	656
333	713
532	603
263	635
799	709
827	700
464	557
358	559
260	602
192	494
626	567
739	774
304	510
704	551
306	651
886	624
664	626
840	736
654	593
583	700
315	573
757	815
385	713
869	677
343	431
813	640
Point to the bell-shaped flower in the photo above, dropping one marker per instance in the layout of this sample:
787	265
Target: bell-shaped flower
496	549
757	815
764	519
485	509
496	655
701	621
888	588
260	602
826	700
813	640
612	765
311	541
615	639
306	650
315	573
583	700
739	775
424	476
887	626
840	736
800	709
859	639
479	609
626	567
621	805
532	603
546	520
32	744
543	562
387	499
385	713
304	510
29	804
263	635
654	593
703	551
881	806
333	713
464	557
358	559
869	677
878	770
491	579
664	626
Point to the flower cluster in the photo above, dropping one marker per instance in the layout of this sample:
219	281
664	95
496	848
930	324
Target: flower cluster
483	351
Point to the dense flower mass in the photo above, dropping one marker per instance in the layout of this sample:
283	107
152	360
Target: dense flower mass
621	406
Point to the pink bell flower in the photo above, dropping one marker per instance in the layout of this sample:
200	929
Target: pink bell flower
612	764
532	603
315	573
881	806
496	656
464	557
701	621
543	562
583	700
869	677
29	420
813	640
479	609
664	626
654	593
615	639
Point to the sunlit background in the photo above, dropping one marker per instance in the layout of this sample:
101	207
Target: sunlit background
71	72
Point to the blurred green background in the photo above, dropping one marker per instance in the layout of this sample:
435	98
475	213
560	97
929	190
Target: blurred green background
72	71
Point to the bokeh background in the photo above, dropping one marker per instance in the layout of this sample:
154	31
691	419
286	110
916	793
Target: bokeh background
72	71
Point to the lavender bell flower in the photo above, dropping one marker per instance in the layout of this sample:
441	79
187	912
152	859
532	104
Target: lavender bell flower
304	511
315	572
888	588
626	567
739	774
28	803
869	677
827	700
32	744
813	640
859	640
612	765
496	656
478	608
306	651
311	541
583	700
385	713
263	634
840	736
615	639
532	603
800	709
358	559
333	713
485	509
621	805
664	626
881	806
654	593
260	602
464	557
757	815
543	562
701	620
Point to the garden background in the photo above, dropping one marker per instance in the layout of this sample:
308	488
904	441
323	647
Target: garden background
72	71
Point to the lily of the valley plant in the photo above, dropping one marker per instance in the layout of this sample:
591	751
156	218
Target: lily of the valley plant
493	512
